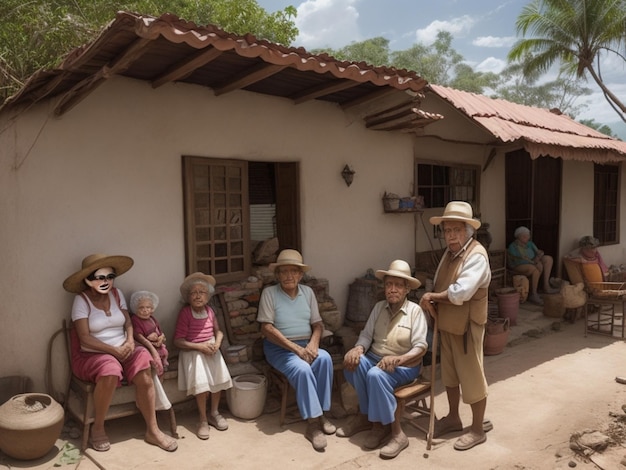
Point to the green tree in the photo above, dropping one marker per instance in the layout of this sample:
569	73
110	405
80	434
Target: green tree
435	63
467	79
35	34
598	126
576	34
561	93
373	51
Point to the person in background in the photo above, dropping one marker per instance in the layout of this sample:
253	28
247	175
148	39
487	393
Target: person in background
201	366
387	355
292	327
103	346
523	257
587	253
459	301
147	329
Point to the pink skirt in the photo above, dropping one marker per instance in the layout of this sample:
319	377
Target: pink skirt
90	366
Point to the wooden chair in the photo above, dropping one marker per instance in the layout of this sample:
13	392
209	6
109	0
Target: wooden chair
606	301
278	379
79	401
419	396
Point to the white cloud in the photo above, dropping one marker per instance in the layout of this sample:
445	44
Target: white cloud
458	27
598	108
491	64
325	23
492	41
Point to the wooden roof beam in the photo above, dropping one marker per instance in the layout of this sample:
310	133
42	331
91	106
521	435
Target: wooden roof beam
79	91
248	77
187	66
323	90
375	95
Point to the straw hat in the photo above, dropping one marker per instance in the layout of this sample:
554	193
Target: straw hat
289	258
399	268
193	279
457	211
120	264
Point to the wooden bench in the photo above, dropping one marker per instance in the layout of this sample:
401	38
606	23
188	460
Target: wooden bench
79	396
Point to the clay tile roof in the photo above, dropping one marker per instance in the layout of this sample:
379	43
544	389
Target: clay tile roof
166	49
542	132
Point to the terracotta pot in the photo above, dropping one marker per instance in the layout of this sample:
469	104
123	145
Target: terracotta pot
508	305
30	424
496	336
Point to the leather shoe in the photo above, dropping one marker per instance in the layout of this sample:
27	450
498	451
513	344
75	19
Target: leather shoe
356	424
395	445
327	426
377	436
315	435
203	430
218	422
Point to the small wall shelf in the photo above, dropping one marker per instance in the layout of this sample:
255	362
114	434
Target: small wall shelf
395	204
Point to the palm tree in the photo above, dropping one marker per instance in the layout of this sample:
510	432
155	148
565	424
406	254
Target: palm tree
576	33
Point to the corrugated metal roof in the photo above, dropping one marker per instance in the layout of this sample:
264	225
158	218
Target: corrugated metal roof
168	49
541	131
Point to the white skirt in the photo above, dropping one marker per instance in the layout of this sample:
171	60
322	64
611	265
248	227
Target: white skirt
199	373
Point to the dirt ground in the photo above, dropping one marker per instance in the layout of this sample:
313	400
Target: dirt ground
542	391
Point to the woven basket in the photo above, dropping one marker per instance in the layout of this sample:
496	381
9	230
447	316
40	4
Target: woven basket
391	202
609	290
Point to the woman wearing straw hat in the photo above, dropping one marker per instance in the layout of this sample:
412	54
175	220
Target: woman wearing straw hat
103	348
587	253
459	301
292	327
202	370
386	355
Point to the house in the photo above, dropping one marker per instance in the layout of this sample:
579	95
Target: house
521	165
181	146
150	141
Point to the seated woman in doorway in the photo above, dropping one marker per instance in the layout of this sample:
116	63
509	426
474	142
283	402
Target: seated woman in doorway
525	258
587	254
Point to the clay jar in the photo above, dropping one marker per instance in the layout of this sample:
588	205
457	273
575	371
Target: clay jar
508	304
30	424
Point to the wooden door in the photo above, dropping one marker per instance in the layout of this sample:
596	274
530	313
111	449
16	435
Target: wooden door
288	205
533	199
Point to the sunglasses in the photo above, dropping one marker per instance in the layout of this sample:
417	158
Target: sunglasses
101	277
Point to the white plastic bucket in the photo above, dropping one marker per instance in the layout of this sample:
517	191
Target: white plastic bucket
246	398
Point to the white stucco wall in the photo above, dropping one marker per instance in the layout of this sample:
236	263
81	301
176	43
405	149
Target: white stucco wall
106	177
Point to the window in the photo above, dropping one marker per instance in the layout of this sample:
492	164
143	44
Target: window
605	203
229	205
440	184
217	220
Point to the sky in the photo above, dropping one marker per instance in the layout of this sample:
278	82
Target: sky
483	32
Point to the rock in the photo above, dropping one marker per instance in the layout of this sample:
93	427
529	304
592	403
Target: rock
589	441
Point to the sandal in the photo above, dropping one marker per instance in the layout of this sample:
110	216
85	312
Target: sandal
469	440
487	425
444	426
170	446
218	422
100	443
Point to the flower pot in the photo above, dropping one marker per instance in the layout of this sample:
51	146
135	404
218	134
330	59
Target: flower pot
30	424
496	337
508	304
